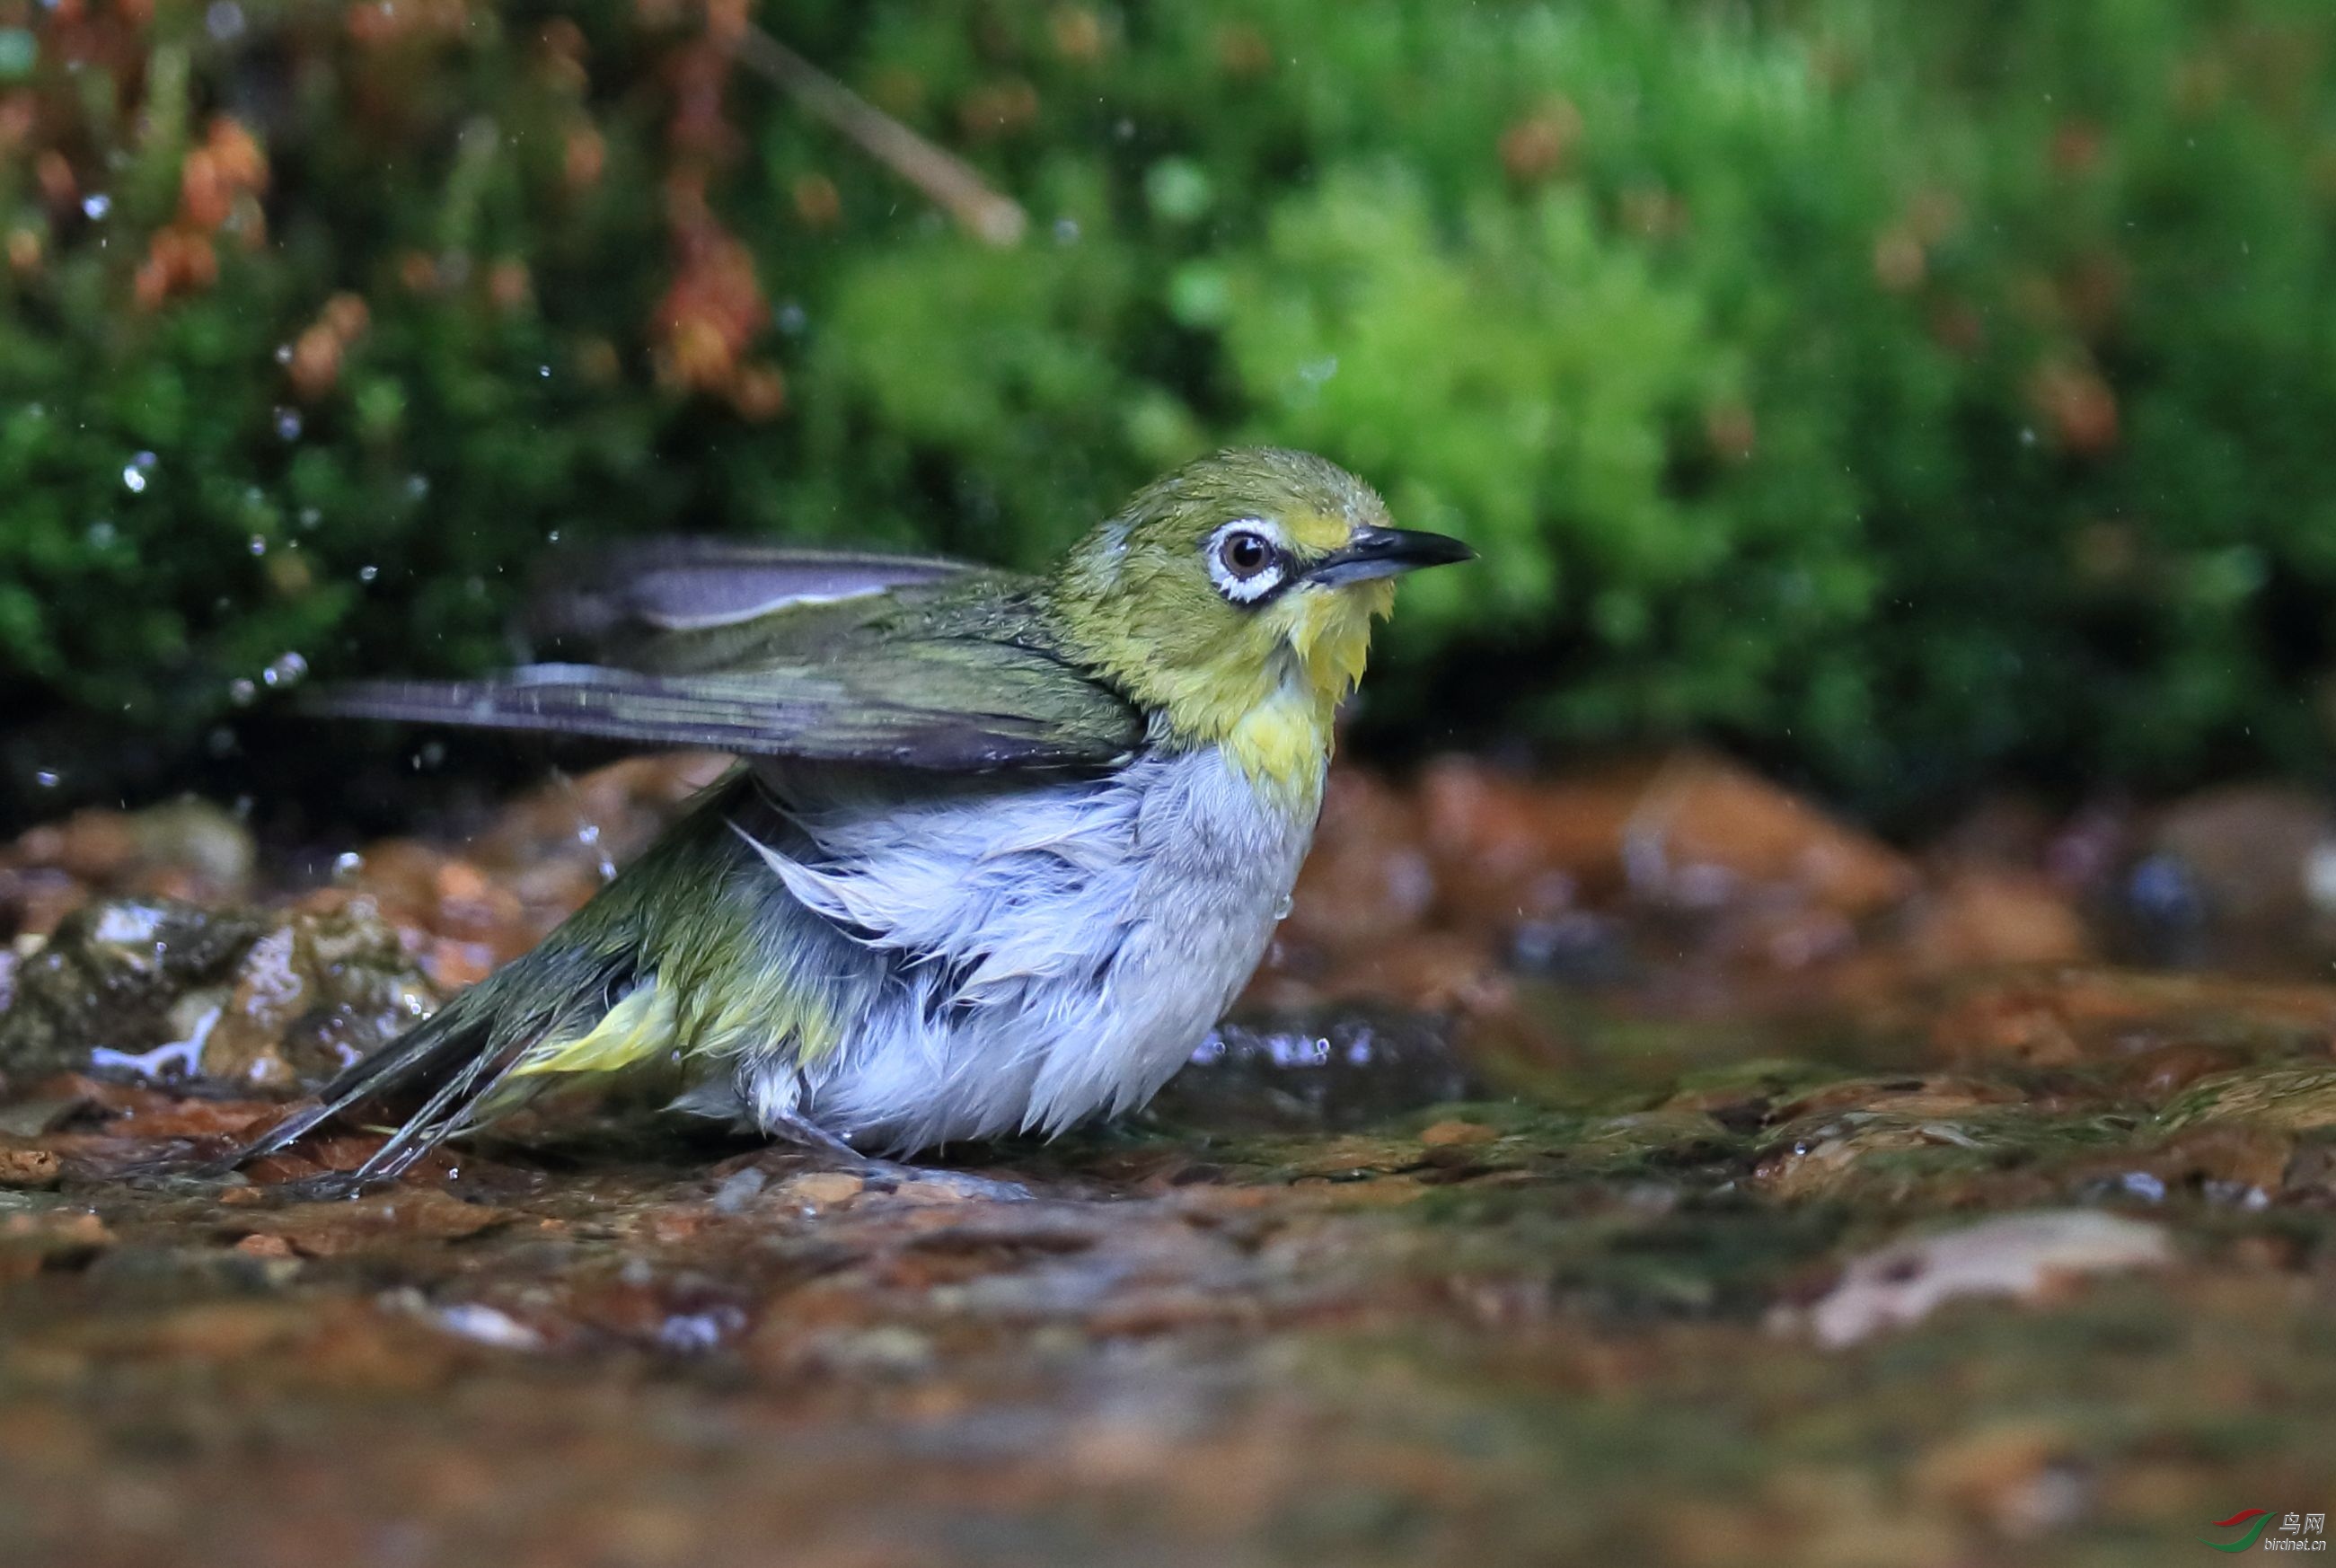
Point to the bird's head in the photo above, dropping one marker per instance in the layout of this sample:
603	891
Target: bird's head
1233	598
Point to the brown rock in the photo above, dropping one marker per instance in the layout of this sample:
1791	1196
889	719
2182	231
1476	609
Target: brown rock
170	1116
1458	1135
29	1241
1705	828
1786	936
126	976
189	849
1692	831
258	1000
2058	1016
28	1167
407	1214
2248	850
35	900
1506	850
1369	879
546	854
2002	833
1977	919
94	845
820	1189
468	907
1433	971
312	996
2157	1075
418	886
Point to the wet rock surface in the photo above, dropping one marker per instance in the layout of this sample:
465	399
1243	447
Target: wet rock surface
1760	1197
164	990
127	976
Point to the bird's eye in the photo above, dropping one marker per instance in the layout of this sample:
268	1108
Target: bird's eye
1245	554
1246	561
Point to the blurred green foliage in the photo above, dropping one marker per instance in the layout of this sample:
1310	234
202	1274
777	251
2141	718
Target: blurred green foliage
1911	394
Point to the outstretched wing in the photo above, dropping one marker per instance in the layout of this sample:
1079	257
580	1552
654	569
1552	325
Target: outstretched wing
954	672
627	594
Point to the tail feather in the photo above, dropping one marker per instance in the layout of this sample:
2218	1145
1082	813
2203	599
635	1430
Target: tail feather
586	1000
464	1055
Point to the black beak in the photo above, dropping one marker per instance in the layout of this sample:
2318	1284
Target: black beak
1385	551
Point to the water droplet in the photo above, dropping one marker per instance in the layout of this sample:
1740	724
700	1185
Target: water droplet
283	353
224	19
257	544
1316	372
96	205
349	862
310	517
1281	909
134	477
2027	435
1067	231
367	573
242	692
1125	130
48	778
285	670
544	370
417	485
287	424
793	319
100	533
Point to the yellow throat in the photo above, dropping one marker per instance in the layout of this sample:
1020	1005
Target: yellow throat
1270	701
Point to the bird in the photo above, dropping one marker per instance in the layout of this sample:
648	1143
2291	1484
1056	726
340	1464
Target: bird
997	852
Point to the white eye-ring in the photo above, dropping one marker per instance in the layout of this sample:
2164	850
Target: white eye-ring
1247	559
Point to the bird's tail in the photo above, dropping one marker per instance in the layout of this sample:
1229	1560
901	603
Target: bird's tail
466	1056
585	1000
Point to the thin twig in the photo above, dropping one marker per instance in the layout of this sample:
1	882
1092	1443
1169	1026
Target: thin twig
949	180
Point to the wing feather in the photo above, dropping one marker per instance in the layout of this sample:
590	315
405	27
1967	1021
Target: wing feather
821	655
990	707
628	592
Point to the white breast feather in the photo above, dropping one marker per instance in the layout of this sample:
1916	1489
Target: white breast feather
1071	944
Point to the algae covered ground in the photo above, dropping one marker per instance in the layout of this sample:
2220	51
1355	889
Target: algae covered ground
1636	1167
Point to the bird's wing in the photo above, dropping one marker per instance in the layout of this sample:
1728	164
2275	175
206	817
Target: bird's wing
957	676
627	594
